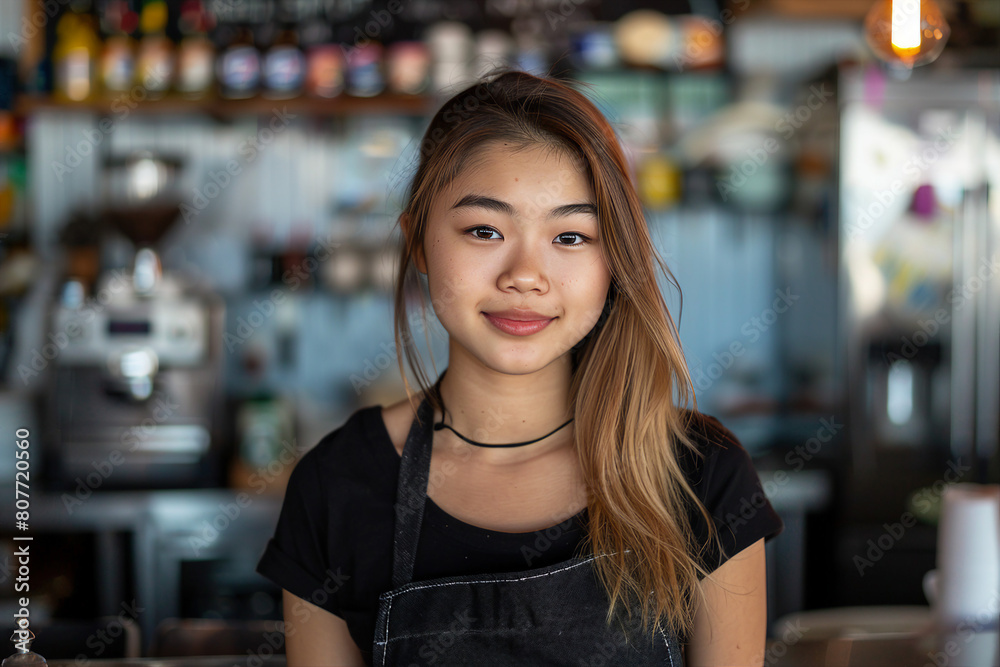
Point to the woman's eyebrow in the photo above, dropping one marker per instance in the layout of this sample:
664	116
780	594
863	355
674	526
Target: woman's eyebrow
491	204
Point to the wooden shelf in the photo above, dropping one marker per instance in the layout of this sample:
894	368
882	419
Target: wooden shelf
344	105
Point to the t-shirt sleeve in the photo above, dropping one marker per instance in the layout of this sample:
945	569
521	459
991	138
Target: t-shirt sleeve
295	558
728	485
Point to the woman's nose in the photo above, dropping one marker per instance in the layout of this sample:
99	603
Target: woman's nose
525	270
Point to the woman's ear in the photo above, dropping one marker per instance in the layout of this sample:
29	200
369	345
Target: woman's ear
418	255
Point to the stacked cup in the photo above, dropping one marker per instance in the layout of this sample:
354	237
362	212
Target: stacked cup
965	587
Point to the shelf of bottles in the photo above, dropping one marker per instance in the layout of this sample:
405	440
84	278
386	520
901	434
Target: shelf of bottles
219	107
222	58
327	56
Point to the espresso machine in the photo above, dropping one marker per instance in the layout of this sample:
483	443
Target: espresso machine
135	398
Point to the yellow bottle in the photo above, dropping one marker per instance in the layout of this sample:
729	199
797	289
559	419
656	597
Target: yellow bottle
659	182
75	57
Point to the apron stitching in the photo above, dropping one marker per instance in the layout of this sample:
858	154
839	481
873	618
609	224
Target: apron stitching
670	656
468	631
388	612
488	581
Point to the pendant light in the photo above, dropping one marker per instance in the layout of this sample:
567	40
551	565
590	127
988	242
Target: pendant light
906	33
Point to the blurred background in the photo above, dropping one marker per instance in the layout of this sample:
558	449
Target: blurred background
198	234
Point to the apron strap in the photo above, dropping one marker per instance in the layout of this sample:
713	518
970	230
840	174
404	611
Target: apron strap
411	494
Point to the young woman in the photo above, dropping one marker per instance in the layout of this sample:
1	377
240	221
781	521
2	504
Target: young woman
549	500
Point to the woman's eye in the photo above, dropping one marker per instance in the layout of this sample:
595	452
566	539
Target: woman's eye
475	232
570	235
482	233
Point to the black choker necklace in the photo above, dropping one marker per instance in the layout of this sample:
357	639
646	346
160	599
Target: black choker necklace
440	425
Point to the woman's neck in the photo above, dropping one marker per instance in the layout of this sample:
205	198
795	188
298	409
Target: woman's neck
499	408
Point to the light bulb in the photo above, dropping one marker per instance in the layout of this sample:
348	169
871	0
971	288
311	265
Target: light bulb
906	32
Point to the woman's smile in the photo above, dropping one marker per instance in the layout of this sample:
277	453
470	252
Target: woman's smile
518	327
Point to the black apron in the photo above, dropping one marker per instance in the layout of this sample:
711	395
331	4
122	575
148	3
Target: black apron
552	615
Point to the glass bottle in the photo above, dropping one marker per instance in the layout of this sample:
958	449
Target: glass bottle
75	54
325	66
196	53
117	68
24	657
155	62
284	68
239	66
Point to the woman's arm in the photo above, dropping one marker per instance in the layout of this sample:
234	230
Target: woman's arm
731	626
316	638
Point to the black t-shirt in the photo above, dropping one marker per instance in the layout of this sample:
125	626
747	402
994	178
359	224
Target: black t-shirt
333	542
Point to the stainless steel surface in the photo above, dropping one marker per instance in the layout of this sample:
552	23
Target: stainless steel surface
174	327
140	176
919	321
988	334
136	392
165	529
969	650
964	347
135	396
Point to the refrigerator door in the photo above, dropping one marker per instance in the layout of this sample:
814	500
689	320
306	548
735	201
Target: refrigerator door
920	268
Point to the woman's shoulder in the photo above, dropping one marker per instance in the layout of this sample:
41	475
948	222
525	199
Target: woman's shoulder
707	433
724	479
716	449
348	448
397	419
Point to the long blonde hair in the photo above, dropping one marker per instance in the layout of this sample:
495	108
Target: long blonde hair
630	383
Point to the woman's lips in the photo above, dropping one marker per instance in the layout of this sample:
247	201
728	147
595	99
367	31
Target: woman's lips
517	327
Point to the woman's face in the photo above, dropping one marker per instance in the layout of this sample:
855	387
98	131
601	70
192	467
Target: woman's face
516	230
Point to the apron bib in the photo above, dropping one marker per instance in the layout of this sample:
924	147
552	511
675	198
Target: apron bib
552	615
